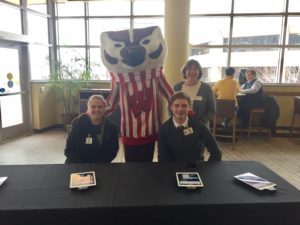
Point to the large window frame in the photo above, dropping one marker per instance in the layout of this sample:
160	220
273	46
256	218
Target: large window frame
231	45
98	70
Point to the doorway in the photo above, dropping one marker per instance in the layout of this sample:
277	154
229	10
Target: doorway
15	113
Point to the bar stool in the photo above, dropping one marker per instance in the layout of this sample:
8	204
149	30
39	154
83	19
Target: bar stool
252	127
296	112
225	109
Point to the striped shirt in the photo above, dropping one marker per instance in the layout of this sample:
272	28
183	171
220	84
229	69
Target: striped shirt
138	93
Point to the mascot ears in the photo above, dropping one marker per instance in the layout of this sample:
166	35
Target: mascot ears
133	50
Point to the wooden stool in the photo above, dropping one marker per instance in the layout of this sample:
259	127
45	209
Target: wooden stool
225	109
251	127
296	112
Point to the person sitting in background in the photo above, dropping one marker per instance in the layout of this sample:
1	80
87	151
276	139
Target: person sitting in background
93	138
253	97
227	88
181	137
201	94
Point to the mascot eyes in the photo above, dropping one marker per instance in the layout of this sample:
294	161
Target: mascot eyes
146	41
118	45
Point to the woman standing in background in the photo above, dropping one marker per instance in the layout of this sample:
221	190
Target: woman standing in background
201	94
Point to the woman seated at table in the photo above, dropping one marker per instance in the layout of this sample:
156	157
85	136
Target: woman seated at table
93	138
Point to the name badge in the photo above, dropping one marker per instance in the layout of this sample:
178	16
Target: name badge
198	98
188	131
89	141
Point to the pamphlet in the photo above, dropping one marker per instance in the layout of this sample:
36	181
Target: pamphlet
256	181
189	179
82	180
2	179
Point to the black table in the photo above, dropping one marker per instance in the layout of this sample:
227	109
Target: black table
144	193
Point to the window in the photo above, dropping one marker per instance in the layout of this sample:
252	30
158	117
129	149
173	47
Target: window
254	41
37	28
39	6
14	17
214	34
71	32
258	6
39	62
79	29
98	25
291	71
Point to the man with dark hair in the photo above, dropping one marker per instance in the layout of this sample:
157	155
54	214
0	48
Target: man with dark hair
181	138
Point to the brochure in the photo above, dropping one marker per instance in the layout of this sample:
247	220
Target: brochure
188	179
2	179
82	180
256	181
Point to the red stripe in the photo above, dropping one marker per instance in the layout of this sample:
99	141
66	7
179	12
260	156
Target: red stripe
129	112
165	88
114	91
156	106
139	141
122	93
143	76
138	118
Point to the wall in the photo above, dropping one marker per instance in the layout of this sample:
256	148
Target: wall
284	96
46	109
43	106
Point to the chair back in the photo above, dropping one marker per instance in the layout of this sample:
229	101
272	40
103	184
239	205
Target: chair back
225	108
297	104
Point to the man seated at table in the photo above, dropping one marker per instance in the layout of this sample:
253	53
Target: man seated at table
93	138
183	138
227	88
253	97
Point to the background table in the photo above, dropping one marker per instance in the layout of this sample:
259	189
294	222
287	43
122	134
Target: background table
144	193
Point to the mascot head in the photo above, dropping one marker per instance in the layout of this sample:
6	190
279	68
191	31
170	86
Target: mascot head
133	50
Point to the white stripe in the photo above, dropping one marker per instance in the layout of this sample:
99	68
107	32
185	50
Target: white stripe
139	85
130	89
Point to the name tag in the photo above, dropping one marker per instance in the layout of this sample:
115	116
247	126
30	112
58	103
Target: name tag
188	131
89	141
198	98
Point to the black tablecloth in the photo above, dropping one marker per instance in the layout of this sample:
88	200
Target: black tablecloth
144	193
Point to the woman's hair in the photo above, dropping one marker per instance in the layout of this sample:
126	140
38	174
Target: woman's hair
189	64
100	97
180	95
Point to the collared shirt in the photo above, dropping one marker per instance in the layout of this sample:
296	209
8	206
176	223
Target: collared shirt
184	124
254	88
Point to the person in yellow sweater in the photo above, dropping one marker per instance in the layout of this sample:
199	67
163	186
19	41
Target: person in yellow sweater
227	88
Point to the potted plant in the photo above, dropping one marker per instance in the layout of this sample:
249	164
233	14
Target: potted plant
67	79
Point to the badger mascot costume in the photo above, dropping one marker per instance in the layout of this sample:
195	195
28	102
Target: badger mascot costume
135	59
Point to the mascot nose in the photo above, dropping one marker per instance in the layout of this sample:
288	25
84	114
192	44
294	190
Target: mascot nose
133	55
